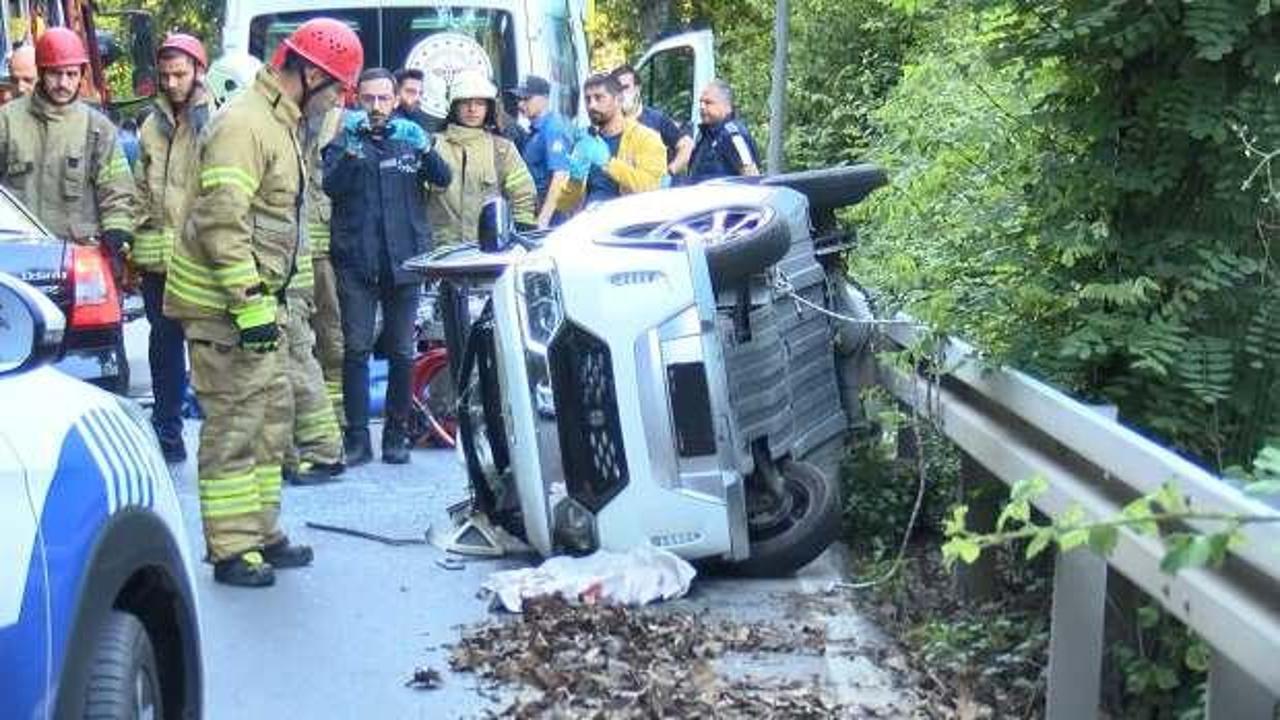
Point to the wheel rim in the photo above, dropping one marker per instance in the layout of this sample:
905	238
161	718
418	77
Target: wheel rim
144	696
769	517
713	227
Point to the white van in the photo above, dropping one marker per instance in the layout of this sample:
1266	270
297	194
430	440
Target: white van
507	39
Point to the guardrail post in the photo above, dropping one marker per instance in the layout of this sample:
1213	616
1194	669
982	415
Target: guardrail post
1233	693
1075	637
982	492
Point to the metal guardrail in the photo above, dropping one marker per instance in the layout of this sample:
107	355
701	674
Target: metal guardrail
1017	427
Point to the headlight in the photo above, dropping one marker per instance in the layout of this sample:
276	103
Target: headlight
541	309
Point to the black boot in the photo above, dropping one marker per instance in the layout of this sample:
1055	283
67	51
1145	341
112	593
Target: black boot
356	445
313	473
285	554
395	445
248	569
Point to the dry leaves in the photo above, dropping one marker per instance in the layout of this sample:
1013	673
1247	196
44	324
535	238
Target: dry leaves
597	662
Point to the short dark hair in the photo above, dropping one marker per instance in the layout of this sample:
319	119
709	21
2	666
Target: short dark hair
377	73
604	80
409	74
623	70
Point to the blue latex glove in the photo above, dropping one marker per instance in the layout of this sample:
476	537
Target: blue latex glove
594	150
355	125
579	168
407	131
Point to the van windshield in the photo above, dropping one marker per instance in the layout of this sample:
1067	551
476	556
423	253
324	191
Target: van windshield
441	39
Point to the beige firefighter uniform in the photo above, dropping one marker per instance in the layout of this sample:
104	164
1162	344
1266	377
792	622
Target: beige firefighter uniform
65	164
326	322
166	169
317	437
484	166
236	255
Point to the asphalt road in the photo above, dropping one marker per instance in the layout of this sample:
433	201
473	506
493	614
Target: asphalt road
339	639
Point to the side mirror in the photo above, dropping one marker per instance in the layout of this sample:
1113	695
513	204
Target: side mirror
31	327
495	229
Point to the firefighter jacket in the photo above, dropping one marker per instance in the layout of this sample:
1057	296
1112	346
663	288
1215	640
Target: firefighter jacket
237	251
378	188
484	166
317	132
166	166
66	165
639	165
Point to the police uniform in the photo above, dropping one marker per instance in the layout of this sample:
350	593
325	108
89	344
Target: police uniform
723	150
229	268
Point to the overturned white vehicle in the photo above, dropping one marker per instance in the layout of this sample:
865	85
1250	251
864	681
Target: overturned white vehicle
661	370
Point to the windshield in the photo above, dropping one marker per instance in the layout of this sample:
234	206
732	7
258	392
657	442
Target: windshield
15	223
443	40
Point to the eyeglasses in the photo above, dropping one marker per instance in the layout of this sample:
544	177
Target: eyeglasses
371	99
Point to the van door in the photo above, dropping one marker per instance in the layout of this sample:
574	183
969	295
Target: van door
674	71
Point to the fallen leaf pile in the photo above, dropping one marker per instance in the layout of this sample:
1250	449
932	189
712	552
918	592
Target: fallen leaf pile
613	662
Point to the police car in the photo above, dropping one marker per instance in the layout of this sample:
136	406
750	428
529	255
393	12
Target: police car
98	614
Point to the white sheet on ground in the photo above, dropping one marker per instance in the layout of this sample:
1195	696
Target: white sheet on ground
636	577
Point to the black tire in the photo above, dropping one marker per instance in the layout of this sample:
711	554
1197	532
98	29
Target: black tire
733	260
784	547
833	188
124	681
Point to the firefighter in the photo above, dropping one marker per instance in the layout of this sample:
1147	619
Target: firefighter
61	157
166	164
228	280
314	330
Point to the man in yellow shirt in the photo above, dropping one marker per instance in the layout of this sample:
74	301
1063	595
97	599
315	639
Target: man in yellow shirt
618	156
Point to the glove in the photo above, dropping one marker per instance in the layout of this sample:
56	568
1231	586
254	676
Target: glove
355	126
408	131
257	323
118	241
594	150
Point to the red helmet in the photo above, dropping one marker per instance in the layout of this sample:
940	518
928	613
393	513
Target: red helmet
187	44
329	45
60	47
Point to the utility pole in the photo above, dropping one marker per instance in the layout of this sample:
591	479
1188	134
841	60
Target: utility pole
778	93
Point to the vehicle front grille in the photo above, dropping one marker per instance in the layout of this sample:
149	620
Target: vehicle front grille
592	451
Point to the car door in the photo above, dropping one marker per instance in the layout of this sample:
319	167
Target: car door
24	607
673	73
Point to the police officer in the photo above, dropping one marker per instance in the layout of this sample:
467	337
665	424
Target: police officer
724	147
61	157
228	277
546	152
166	164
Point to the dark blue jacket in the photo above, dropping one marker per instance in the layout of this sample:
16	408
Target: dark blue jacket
723	150
379	215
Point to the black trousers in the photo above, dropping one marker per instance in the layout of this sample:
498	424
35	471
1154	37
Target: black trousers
359	302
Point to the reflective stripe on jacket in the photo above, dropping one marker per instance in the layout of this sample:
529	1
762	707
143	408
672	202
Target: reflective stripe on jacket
66	165
239	246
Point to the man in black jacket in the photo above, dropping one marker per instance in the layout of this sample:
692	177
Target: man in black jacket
375	172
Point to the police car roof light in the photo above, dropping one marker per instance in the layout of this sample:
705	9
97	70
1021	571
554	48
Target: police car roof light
95	300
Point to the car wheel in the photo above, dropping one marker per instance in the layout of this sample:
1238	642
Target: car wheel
740	241
124	681
788	532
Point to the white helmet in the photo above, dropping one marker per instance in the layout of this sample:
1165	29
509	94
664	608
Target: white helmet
230	74
472	85
435	95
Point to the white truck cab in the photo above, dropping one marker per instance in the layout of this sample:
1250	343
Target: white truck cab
505	39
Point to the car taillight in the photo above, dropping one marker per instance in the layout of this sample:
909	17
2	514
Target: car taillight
95	301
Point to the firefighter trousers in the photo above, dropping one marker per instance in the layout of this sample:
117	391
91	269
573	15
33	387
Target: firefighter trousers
246	402
317	437
327	324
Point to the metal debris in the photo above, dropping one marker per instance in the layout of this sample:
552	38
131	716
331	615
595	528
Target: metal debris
424	679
